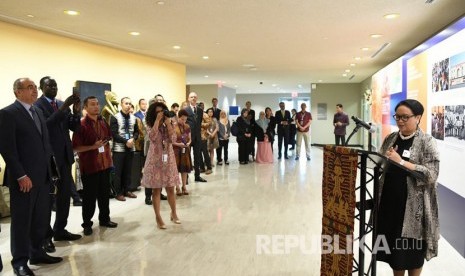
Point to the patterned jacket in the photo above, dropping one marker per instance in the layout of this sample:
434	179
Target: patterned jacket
421	211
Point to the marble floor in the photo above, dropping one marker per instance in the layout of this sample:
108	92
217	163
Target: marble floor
225	223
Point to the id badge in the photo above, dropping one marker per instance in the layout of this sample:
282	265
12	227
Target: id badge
183	150
126	136
165	157
406	154
101	149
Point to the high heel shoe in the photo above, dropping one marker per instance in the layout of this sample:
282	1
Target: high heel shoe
177	221
184	191
161	225
178	192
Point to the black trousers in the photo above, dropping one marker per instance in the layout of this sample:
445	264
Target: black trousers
30	221
123	168
244	150
339	139
223	147
196	145
63	199
283	135
205	156
96	187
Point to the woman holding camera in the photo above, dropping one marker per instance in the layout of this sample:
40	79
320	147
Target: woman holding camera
160	169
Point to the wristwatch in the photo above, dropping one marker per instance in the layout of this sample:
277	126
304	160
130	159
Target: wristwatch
402	162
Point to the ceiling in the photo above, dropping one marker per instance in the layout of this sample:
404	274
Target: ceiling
254	46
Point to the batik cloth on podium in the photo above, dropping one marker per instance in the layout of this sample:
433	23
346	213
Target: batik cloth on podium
339	179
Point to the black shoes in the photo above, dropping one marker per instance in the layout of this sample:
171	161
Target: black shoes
308	158
163	197
66	236
49	247
45	259
200	179
23	270
286	157
88	231
109	224
77	203
297	158
148	200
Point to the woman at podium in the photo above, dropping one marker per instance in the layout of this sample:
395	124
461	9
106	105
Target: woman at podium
408	207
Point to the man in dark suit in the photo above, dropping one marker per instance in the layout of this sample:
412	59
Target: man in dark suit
216	110
142	109
60	121
283	119
195	122
25	147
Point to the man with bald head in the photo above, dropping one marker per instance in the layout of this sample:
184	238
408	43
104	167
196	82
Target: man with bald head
195	122
25	147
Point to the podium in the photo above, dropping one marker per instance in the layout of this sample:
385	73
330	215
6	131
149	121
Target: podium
371	166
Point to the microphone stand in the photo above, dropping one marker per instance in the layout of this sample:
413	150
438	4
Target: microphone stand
357	127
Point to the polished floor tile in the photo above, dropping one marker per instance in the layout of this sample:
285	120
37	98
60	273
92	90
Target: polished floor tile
237	223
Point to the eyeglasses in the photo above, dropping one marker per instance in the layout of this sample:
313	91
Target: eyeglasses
404	118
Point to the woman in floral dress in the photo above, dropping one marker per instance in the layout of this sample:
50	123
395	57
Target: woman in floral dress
160	169
182	151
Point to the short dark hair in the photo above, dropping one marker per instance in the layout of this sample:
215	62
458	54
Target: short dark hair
214	99
339	105
183	112
123	98
414	105
86	100
151	115
141	100
174	105
42	81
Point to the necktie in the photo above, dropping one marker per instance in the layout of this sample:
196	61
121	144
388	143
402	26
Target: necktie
35	117
54	105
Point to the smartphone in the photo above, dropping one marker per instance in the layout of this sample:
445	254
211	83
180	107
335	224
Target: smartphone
76	92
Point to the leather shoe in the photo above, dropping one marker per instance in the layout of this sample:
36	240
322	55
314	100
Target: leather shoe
77	203
109	224
200	179
66	236
130	195
148	201
120	198
23	270
88	231
163	197
49	247
45	259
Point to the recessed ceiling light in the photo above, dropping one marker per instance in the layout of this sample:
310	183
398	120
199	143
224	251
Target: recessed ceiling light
236	86
205	57
134	33
217	43
344	75
70	12
30	15
320	80
160	2
248	65
352	64
357	58
274	85
347	70
300	85
376	35
391	16
365	49
176	47
206	76
253	69
325	38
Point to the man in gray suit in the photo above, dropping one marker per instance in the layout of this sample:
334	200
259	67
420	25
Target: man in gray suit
25	147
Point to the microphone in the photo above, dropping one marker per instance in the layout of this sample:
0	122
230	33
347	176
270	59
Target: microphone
365	125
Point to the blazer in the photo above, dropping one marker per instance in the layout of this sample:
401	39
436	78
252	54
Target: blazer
195	123
216	113
59	123
140	115
279	118
25	150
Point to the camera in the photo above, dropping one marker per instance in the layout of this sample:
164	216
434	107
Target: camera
169	114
